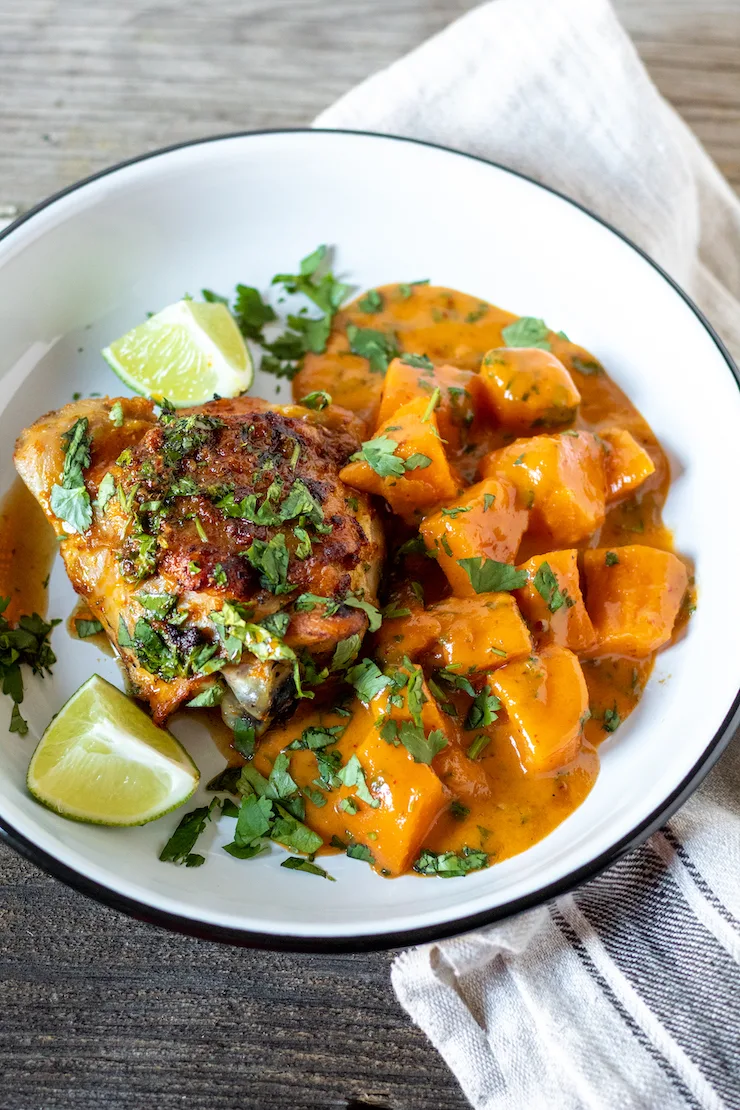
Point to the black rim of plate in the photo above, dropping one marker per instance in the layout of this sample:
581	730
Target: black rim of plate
368	942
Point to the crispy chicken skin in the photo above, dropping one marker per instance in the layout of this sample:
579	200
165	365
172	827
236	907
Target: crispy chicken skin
235	501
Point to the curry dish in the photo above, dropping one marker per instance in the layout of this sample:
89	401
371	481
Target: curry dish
419	596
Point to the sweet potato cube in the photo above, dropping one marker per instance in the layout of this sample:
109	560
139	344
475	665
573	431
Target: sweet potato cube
560	478
413	476
463	777
459	401
485	521
479	633
633	595
546	700
411	798
552	603
626	463
410	635
528	388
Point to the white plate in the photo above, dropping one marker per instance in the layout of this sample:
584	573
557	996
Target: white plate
88	265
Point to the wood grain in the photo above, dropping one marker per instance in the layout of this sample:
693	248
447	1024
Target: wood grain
99	1012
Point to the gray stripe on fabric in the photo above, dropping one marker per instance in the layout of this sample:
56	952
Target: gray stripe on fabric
673	962
637	1031
699	881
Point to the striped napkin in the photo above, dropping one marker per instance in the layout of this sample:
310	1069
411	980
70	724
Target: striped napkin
625	994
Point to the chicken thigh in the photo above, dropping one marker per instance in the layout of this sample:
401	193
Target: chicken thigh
217	546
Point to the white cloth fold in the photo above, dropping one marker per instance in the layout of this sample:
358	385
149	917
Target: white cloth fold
627	993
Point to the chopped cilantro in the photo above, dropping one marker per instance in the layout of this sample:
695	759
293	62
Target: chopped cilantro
360	851
87	628
483	711
489	576
527	331
422	748
586	366
25	643
458	811
612	720
368	680
346	652
477	747
372	302
419	362
376	346
295	863
353	777
70	501
106	490
318	399
210	696
371	611
219	575
547	586
271	559
379	453
244	738
116	414
179	848
488	500
611	559
450	865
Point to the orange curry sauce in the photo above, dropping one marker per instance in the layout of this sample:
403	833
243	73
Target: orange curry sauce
508	808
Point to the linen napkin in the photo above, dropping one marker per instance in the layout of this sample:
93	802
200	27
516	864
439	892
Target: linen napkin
625	994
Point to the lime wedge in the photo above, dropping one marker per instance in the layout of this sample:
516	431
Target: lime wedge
186	353
103	761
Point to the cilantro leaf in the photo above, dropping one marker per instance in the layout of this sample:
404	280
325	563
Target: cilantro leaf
26	643
271	559
360	851
422	748
314	737
449	865
87	628
106	490
376	346
489	576
380	454
612	720
372	302
346	652
254	820
527	331
353	777
251	313
179	847
293	834
417	461
244	738
483	711
73	506
368	680
116	414
420	362
373	613
547	586
611	559
211	695
318	399
295	863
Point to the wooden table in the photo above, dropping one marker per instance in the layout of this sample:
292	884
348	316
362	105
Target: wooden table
98	1011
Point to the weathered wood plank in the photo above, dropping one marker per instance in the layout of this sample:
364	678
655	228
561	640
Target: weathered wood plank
98	1012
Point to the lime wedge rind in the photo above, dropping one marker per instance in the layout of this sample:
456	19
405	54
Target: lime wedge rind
102	761
188	352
